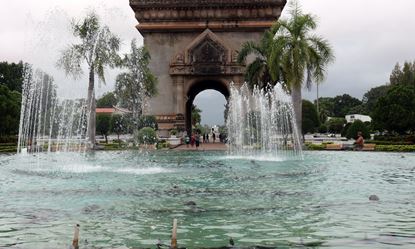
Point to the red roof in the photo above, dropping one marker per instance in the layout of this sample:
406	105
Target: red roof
105	110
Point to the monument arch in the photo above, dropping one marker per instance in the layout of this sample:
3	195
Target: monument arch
194	45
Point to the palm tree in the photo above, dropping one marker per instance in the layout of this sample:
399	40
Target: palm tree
298	56
98	47
257	72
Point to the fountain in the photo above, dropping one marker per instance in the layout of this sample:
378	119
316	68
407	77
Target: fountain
48	123
261	124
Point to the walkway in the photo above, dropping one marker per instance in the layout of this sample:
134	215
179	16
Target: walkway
204	147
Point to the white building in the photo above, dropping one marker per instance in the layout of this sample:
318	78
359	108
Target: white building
353	117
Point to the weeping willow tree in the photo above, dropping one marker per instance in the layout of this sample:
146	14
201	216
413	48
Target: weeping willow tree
97	47
298	56
134	86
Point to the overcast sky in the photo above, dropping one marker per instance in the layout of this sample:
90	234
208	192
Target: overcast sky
368	37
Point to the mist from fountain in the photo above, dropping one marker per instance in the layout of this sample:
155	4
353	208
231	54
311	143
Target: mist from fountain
48	123
261	124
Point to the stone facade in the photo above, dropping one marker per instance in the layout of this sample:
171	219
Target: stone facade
194	45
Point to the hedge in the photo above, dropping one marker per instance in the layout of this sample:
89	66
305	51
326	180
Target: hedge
315	146
395	148
385	142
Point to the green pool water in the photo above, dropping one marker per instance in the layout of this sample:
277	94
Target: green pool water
129	199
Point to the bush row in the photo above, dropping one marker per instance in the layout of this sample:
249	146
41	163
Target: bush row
4	149
378	147
398	138
386	142
395	148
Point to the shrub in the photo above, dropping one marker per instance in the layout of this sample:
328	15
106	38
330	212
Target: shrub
322	128
315	146
146	135
395	148
345	129
173	132
393	138
162	144
335	125
355	128
385	142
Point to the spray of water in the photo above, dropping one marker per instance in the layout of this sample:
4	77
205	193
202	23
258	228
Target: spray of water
261	124
46	122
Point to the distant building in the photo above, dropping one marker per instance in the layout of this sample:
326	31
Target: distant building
353	117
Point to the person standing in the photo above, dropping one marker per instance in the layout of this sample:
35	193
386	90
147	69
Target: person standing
197	140
192	140
214	137
187	140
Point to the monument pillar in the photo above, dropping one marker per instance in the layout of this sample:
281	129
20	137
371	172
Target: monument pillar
179	95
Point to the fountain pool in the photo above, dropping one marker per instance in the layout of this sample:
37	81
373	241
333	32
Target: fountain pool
128	199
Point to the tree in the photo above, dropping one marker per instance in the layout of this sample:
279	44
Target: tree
103	125
395	111
98	48
137	84
326	106
403	75
344	104
108	100
196	117
9	111
310	118
11	75
118	125
358	126
335	125
298	56
372	96
396	75
146	135
257	72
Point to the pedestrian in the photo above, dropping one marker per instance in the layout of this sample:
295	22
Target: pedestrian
187	140
214	137
197	140
192	140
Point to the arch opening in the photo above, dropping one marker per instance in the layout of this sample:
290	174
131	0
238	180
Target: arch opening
196	89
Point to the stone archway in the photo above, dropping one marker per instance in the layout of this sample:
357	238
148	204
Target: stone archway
195	43
198	87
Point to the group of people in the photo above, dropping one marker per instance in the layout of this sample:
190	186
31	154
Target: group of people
195	139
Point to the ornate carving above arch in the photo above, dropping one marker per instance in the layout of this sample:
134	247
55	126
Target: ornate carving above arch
205	55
